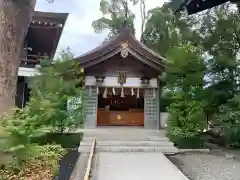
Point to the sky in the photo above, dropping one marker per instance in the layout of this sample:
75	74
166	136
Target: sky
78	33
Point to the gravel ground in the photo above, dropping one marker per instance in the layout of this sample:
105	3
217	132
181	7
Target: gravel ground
201	166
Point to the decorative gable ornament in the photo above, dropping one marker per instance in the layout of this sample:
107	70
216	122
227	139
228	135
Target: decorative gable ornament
124	53
124	45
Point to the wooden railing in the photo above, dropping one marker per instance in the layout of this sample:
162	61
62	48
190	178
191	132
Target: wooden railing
31	60
90	159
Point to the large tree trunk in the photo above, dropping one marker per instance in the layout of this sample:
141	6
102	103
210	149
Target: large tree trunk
15	16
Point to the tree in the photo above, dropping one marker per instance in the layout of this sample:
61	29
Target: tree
222	46
185	79
207	32
116	15
15	16
143	14
229	115
164	30
56	98
186	122
185	72
157	33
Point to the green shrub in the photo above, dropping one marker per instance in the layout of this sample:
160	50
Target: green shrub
56	96
186	123
229	119
66	140
165	102
44	165
16	141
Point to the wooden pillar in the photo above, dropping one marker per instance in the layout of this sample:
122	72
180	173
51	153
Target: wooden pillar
20	99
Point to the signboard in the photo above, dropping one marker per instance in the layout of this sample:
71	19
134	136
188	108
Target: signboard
122	78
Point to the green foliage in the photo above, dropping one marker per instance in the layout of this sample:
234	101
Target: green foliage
115	14
165	30
66	140
165	101
16	142
223	47
18	149
54	105
185	79
159	33
203	55
186	122
229	118
44	164
186	70
56	96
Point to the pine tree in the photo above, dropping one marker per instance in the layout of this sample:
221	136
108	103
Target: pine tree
56	97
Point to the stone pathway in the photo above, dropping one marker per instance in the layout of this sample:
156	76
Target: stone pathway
117	139
130	154
80	167
135	166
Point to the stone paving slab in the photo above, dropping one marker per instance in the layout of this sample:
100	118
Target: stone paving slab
80	167
136	166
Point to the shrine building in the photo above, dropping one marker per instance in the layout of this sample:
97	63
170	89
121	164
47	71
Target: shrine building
122	85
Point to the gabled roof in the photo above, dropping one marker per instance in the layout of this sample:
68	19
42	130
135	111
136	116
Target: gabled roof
57	21
59	17
195	6
115	45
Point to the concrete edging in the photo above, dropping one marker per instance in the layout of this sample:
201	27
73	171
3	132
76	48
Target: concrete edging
175	168
194	150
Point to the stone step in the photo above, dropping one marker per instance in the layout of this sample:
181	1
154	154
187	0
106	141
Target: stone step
128	143
165	150
125	138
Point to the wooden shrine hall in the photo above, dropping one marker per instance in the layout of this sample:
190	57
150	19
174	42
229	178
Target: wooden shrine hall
122	85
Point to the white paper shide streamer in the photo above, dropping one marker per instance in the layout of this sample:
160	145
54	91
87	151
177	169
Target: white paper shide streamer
97	90
132	91
105	93
138	93
122	92
113	91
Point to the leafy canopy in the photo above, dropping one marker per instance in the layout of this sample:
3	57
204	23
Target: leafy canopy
116	15
56	97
